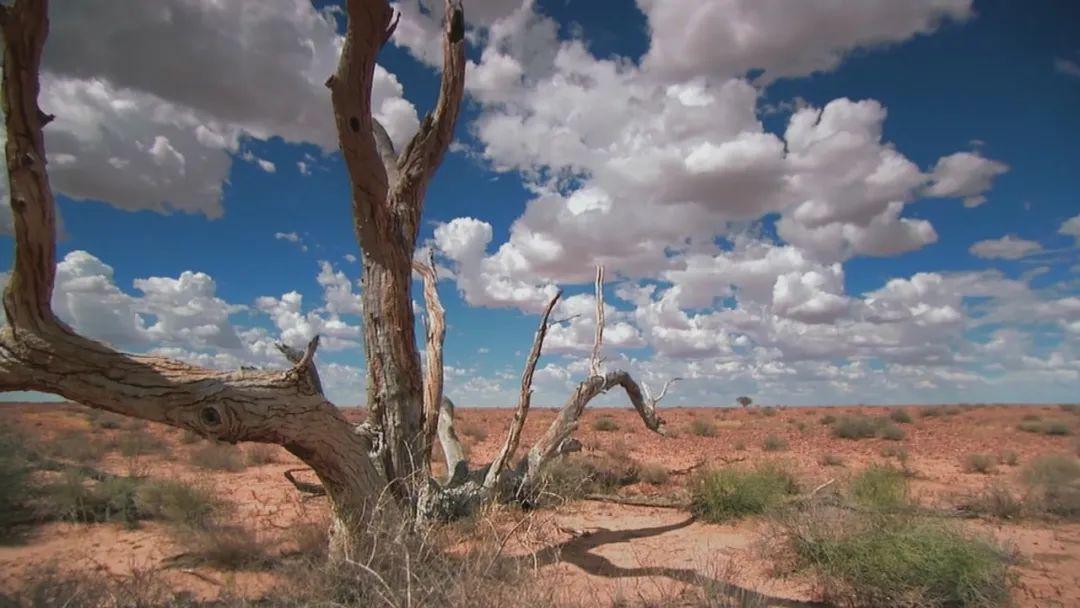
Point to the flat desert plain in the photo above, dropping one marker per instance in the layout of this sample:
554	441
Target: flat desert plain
584	551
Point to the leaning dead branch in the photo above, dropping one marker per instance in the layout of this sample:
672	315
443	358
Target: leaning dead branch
513	436
435	335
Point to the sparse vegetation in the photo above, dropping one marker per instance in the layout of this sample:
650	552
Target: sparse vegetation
177	502
1053	482
1008	458
774	443
1046	427
258	454
475	432
855	427
216	456
865	560
74	497
993	501
829	459
900	416
605	424
576	475
892	432
702	428
827	419
654	474
14	482
768	411
930	412
880	487
136	443
978	463
722	494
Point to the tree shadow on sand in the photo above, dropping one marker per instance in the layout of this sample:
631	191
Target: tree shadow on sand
579	552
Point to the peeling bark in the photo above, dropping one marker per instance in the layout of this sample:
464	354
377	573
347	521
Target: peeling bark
38	352
435	334
387	200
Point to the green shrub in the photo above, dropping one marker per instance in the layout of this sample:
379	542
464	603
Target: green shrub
75	446
1031	417
827	419
703	428
227	548
1053	482
75	498
768	410
952	410
177	502
218	457
895	561
900	416
1055	427
880	487
137	443
722	494
15	486
1046	427
930	412
774	443
892	432
978	463
854	427
605	424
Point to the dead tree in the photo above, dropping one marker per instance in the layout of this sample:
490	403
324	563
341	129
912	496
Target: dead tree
355	465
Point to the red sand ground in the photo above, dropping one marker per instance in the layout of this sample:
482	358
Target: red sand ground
609	553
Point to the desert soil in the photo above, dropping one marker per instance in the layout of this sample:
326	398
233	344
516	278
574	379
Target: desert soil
601	553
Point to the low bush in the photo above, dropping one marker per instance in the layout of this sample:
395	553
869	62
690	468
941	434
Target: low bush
880	487
137	443
15	488
1045	427
75	446
978	463
702	428
76	498
855	427
930	412
993	501
774	443
1008	458
827	419
179	503
218	457
576	475
900	416
605	424
892	432
831	460
654	474
1053	482
868	560
722	494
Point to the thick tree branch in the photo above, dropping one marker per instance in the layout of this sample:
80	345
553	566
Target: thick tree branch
301	358
425	151
435	330
37	352
513	437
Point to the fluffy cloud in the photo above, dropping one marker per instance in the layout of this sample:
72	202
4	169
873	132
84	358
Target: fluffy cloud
142	126
1007	247
1071	227
964	175
725	38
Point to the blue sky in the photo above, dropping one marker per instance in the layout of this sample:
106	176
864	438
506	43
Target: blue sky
816	204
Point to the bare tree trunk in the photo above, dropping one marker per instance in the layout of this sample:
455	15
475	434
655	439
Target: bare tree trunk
387	200
435	335
38	352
